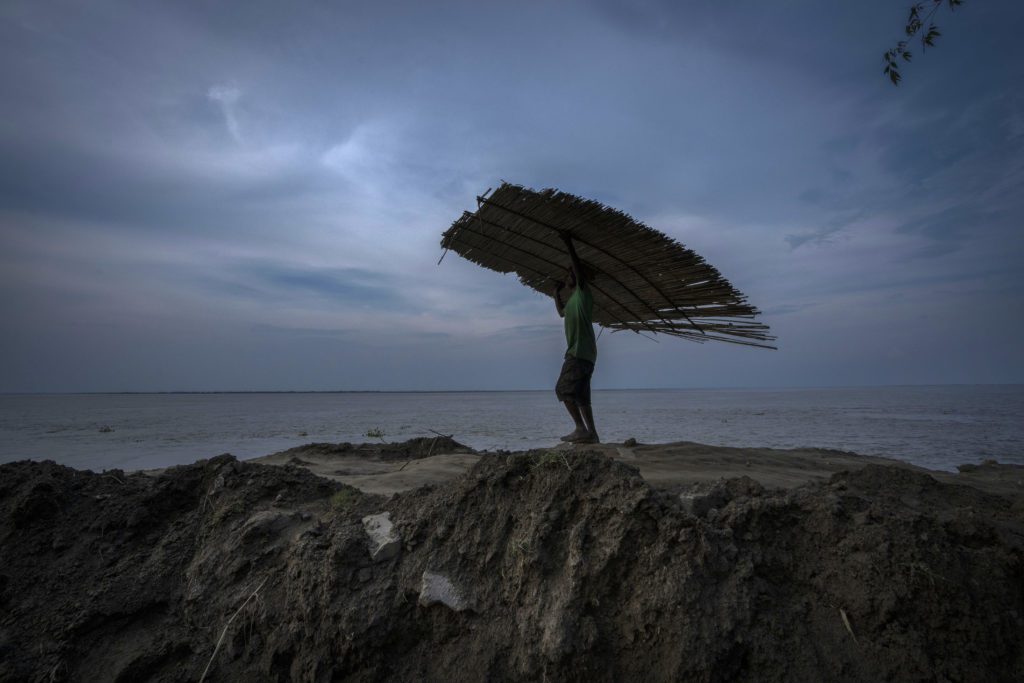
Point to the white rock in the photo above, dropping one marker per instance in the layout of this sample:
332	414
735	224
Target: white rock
438	589
384	542
688	499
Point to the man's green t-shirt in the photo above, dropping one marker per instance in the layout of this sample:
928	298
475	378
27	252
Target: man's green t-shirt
579	325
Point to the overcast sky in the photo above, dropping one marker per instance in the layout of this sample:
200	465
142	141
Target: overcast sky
248	196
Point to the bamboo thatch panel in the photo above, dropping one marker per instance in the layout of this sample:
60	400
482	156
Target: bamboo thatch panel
642	280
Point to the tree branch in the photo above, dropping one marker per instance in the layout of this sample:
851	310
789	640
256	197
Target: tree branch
919	16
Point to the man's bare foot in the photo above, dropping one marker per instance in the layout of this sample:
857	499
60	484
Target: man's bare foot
575	435
588	437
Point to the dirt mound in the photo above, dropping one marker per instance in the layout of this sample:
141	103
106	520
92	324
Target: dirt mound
419	447
544	564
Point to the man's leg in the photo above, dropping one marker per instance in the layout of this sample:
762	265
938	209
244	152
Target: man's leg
564	389
577	417
588	416
583	402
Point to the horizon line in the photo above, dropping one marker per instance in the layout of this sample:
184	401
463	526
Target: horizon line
485	391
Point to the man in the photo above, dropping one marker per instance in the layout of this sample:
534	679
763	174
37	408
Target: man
573	387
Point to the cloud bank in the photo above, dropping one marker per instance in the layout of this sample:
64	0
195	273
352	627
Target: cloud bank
198	197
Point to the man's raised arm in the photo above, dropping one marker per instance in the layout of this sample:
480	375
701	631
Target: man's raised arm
577	267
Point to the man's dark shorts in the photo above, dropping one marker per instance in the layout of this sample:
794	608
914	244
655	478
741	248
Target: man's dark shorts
574	381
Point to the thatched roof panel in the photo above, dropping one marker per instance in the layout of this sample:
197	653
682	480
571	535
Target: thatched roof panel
642	279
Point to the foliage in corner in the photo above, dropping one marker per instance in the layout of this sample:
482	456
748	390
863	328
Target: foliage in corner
920	16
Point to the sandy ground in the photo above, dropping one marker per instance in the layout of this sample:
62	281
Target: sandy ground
386	469
381	468
612	563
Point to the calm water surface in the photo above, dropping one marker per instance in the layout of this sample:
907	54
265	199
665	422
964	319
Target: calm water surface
937	427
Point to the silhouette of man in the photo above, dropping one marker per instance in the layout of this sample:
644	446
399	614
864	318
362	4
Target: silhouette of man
573	386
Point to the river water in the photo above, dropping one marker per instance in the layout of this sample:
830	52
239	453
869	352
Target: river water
933	426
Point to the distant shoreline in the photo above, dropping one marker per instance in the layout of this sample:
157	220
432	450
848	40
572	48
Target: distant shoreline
493	391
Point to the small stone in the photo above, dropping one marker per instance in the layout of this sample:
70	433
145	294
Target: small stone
437	589
384	542
364	574
629	443
688	499
264	524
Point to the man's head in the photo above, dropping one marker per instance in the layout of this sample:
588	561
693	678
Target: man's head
570	278
570	275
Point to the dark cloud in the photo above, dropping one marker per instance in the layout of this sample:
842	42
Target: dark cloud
824	233
196	194
958	223
813	195
353	286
